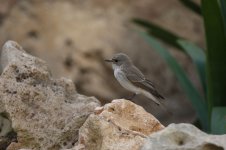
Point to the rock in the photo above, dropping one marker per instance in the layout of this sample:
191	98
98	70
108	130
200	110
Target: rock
5	126
6	140
45	112
120	125
184	137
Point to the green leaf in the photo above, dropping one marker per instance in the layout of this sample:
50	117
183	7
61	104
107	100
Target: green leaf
218	120
223	12
198	57
192	6
192	93
216	53
164	35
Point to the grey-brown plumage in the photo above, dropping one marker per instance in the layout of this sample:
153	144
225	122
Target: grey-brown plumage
132	79
135	76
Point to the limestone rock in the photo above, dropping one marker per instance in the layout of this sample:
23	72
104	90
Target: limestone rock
5	126
6	140
184	137
120	125
45	112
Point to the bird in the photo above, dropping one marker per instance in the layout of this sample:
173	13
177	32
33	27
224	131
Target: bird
132	79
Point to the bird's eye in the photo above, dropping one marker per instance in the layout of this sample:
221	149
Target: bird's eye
116	60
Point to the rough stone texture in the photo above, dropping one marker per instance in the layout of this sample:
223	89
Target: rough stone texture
5	126
45	112
6	140
116	126
6	136
74	36
184	137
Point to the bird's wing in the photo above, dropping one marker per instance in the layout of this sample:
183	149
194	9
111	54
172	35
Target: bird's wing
135	76
149	86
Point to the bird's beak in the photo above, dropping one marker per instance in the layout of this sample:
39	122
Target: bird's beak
108	60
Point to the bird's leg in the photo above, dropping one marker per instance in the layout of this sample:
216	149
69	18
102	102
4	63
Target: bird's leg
132	97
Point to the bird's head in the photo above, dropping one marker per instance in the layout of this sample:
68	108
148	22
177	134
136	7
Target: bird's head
119	59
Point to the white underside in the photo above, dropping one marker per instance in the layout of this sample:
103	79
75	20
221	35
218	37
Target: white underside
122	79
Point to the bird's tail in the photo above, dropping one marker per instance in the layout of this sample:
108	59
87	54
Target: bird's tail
150	96
152	89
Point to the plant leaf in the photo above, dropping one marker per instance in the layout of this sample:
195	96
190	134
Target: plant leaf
216	52
198	57
223	11
164	35
192	6
218	120
193	95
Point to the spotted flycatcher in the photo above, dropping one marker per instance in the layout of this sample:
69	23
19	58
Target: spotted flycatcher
132	79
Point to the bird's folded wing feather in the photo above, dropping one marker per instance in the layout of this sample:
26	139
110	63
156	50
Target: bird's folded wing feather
135	76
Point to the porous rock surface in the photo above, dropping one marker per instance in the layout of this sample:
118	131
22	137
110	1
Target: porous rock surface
5	126
46	113
184	137
120	125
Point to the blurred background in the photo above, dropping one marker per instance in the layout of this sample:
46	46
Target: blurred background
75	36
